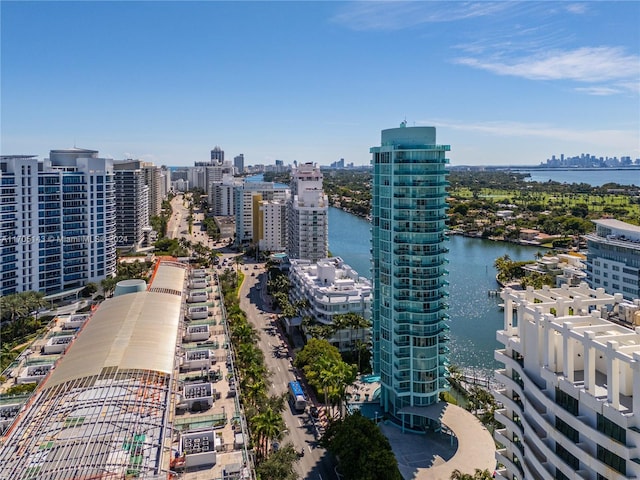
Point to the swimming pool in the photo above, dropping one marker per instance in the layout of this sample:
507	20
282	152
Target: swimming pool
370	378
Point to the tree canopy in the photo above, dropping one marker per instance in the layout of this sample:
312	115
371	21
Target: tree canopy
363	451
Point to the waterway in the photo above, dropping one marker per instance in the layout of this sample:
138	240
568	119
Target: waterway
595	178
475	316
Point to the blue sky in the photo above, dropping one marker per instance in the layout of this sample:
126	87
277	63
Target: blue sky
503	82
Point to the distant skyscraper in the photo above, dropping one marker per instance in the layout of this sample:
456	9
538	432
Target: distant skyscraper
238	163
217	155
408	248
308	215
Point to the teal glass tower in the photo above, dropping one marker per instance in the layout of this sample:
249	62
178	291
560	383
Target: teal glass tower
409	257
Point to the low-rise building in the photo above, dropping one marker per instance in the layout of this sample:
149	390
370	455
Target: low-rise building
328	288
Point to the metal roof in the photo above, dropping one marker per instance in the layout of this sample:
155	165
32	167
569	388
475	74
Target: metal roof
133	331
102	413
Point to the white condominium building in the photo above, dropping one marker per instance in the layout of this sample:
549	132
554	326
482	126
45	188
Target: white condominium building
220	196
613	258
272	225
571	385
331	288
308	215
247	197
19	231
58	221
132	205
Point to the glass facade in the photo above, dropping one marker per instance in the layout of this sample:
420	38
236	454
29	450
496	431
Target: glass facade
409	257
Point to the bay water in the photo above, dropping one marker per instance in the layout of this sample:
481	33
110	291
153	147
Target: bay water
595	177
475	314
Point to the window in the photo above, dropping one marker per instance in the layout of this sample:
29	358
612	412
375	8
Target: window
611	429
564	454
614	461
568	431
567	402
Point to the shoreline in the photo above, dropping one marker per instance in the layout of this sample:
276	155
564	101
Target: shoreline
457	232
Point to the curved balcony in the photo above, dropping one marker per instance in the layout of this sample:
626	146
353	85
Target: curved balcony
400	182
425	208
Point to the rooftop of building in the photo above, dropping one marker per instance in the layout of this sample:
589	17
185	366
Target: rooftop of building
102	410
618	224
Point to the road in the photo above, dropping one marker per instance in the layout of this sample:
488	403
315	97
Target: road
316	463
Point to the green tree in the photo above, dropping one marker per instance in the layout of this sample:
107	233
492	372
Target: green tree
363	451
279	465
478	475
268	426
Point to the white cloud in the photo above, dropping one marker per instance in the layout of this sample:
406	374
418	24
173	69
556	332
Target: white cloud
576	8
396	15
599	91
585	64
626	140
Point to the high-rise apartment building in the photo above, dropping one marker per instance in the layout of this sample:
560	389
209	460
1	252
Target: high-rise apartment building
271	226
59	231
132	204
408	248
246	198
570	386
220	196
238	164
19	224
153	178
613	258
308	215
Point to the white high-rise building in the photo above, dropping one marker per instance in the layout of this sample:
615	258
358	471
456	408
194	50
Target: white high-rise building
19	229
613	258
570	391
154	180
59	232
220	196
132	204
272	226
308	215
246	200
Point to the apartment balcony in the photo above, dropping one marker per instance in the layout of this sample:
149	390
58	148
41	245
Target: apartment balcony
401	182
503	458
511	425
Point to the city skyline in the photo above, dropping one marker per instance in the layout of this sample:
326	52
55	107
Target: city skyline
503	82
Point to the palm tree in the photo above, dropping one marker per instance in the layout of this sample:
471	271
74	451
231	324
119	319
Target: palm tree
255	391
108	285
243	333
268	426
343	374
35	301
477	475
248	354
238	261
14	305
